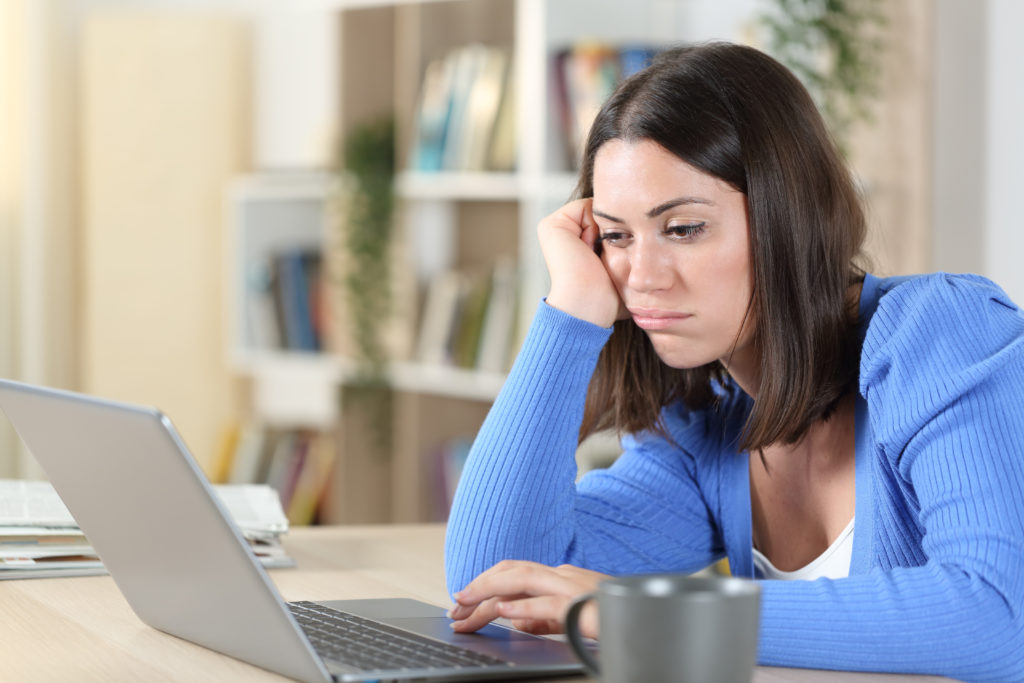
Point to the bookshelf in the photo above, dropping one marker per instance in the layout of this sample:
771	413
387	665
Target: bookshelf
456	216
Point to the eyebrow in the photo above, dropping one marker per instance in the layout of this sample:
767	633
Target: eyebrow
660	208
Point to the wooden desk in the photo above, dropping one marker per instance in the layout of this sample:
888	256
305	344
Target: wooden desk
81	629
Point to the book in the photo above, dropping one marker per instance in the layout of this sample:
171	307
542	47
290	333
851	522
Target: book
312	480
463	97
295	463
40	538
262	326
469	318
591	73
503	152
272	436
465	337
297	291
282	464
563	107
440	314
634	58
482	106
245	466
584	76
432	112
468	63
227	448
498	328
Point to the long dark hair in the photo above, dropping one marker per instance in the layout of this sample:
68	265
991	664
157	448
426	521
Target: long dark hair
737	114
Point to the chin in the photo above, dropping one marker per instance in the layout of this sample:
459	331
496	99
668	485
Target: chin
683	364
680	359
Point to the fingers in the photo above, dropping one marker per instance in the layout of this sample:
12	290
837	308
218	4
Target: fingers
515	578
580	284
581	214
533	596
541	615
590	231
546	611
576	217
477	617
539	628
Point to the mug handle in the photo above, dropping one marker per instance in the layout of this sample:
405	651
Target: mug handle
572	633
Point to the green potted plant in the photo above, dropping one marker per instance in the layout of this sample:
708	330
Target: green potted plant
834	47
367	214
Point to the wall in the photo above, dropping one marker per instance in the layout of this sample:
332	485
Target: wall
164	115
38	187
890	153
977	140
10	151
1004	246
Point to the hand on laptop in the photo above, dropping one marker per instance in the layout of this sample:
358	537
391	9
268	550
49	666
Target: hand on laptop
533	596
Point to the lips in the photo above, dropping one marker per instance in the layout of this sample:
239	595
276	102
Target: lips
656	319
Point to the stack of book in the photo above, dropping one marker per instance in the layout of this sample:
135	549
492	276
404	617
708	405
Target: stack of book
468	319
585	75
285	301
295	464
39	537
464	116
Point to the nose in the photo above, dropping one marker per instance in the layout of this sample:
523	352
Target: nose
650	267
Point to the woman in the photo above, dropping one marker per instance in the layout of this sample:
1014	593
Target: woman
782	408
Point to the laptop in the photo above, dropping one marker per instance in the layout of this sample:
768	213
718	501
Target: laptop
130	482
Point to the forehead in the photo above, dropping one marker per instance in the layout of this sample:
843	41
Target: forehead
645	171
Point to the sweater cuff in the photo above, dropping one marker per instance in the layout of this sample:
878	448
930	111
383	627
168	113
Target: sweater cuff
559	351
557	330
551	313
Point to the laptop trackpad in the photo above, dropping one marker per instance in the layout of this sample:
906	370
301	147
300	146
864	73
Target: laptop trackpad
431	621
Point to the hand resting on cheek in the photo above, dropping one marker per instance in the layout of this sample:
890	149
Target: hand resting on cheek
534	597
580	283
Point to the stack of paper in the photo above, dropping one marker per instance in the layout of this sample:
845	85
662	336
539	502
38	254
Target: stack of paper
256	510
39	537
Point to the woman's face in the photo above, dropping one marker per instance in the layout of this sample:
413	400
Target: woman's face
676	244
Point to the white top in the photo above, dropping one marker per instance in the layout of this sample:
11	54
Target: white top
834	563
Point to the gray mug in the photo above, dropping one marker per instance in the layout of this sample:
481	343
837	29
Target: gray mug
671	627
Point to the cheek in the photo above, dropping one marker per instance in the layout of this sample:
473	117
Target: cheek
733	266
739	299
617	264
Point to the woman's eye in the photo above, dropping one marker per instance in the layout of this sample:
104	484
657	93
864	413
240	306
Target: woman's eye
612	237
685	230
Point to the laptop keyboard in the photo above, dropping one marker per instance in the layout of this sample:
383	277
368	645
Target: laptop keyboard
369	645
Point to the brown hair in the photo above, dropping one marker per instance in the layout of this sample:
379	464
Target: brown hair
737	114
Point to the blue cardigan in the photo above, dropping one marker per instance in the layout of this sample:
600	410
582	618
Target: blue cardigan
936	580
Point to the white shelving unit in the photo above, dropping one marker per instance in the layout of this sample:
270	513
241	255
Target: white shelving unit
395	40
269	213
412	185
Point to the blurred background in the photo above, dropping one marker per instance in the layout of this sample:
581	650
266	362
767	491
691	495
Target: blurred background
305	230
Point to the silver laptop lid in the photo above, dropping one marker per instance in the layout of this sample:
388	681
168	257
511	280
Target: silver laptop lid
131	484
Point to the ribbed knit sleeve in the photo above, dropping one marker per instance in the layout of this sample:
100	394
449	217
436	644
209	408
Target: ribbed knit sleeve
517	485
518	497
943	374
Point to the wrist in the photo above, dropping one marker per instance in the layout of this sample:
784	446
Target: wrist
582	309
